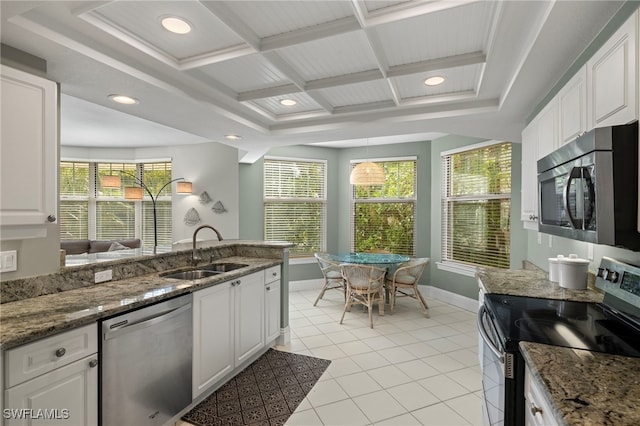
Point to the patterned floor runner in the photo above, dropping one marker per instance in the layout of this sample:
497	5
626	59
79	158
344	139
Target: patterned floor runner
265	393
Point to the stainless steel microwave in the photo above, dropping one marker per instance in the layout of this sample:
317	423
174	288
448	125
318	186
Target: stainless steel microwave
588	188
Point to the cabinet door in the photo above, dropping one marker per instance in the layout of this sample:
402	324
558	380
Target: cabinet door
272	311
613	80
572	102
529	203
212	336
249	317
548	129
68	394
29	154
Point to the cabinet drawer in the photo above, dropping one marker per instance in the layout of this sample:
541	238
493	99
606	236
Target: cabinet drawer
272	274
33	359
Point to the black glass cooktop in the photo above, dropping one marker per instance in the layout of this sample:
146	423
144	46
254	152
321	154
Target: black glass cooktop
581	325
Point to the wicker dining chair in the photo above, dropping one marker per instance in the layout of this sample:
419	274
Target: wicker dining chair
405	278
365	286
332	275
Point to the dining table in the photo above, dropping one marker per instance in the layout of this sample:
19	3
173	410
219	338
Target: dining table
384	260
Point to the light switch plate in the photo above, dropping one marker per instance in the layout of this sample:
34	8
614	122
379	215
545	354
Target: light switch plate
103	276
9	261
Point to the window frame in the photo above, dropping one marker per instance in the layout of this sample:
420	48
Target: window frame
293	200
94	197
446	263
353	201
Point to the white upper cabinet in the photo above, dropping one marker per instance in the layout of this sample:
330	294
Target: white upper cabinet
612	96
529	203
572	105
547	123
28	154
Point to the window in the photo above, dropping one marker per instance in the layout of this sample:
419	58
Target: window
476	205
383	218
295	203
89	211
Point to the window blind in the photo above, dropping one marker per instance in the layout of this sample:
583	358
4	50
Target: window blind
476	206
295	203
383	217
75	178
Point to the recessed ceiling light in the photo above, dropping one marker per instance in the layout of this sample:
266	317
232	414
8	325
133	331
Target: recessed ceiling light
233	137
434	81
288	102
123	99
176	25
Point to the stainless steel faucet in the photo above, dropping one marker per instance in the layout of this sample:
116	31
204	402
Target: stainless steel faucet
195	233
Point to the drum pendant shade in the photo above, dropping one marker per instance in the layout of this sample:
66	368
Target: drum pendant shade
366	174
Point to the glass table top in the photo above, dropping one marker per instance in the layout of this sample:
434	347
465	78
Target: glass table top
368	258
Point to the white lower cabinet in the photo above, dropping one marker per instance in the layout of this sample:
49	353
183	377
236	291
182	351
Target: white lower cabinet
228	328
537	411
53	380
272	304
212	335
249	317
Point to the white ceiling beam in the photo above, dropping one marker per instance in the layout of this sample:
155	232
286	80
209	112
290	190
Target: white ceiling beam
464	59
233	22
433	99
268	92
341	80
216	56
304	35
346	109
524	53
404	10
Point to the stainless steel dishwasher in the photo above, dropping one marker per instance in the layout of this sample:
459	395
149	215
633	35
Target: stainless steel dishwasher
146	364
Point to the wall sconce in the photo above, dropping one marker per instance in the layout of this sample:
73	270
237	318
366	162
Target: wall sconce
137	193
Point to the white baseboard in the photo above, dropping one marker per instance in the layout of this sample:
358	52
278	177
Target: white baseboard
454	299
304	285
463	302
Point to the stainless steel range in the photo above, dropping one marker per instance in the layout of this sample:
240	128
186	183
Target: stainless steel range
612	326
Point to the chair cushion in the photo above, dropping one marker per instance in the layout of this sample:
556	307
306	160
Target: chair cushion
334	274
405	279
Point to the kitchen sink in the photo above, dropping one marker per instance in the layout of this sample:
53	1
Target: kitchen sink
222	267
191	275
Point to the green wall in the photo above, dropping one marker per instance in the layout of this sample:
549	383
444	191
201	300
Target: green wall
428	231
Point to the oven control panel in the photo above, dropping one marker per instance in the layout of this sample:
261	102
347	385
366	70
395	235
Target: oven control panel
619	280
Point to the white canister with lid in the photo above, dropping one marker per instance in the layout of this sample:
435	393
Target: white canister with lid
573	272
554	272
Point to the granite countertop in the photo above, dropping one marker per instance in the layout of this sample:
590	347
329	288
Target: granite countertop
532	283
586	388
29	319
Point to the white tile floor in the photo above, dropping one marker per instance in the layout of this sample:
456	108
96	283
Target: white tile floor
407	370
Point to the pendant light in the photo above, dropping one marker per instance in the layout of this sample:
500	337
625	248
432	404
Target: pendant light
367	173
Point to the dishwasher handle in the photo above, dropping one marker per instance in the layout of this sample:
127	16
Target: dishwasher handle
485	336
146	322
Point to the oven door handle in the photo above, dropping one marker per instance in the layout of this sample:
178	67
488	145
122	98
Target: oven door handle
485	335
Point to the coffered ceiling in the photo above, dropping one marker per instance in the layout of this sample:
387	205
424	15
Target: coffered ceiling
355	69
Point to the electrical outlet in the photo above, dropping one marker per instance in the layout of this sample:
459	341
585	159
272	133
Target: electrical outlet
9	261
550	241
103	276
539	238
590	251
